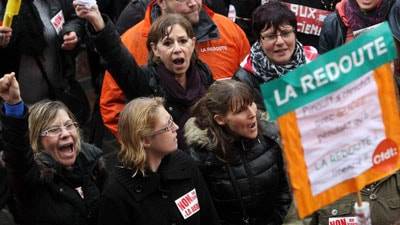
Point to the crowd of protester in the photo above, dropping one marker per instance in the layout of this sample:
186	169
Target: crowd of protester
177	83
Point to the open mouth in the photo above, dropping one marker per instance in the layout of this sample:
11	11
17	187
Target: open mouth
67	148
178	61
252	125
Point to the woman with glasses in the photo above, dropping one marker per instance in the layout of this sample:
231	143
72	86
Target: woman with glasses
155	183
173	72
238	156
276	51
55	177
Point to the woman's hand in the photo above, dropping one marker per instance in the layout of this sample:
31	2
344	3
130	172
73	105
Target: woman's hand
5	36
70	41
92	15
9	89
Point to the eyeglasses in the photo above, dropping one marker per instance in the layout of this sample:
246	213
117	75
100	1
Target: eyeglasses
57	130
170	127
272	38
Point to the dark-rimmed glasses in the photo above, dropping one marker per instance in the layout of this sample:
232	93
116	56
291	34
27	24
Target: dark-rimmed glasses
272	38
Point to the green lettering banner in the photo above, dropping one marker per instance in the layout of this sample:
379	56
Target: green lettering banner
329	72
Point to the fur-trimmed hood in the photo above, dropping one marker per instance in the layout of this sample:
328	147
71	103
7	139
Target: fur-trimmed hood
195	136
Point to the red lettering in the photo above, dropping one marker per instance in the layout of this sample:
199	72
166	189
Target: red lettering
188	199
181	206
338	222
195	207
185	202
194	196
188	212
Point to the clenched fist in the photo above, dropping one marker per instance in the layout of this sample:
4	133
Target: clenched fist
9	89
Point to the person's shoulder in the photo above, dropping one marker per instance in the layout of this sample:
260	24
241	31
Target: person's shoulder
114	188
181	157
394	19
222	21
331	18
396	3
91	152
132	33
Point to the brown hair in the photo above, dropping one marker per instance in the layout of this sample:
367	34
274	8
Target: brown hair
162	27
41	115
222	97
137	121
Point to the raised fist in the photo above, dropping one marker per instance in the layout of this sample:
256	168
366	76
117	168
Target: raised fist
9	89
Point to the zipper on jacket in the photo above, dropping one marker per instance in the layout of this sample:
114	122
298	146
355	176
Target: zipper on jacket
243	154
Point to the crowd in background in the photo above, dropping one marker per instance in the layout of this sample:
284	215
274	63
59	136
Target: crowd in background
177	87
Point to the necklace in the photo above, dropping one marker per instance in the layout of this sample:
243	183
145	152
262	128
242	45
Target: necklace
328	5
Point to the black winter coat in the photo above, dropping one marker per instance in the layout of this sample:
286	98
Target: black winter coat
150	200
256	168
132	14
45	191
137	81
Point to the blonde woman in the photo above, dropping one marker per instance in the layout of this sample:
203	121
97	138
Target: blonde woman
155	183
55	177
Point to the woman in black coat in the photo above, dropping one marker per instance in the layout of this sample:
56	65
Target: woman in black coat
55	177
173	72
238	156
155	183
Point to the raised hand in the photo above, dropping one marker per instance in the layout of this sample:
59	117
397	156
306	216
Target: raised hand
92	15
9	89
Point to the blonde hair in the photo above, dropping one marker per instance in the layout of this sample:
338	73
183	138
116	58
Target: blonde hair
137	121
41	115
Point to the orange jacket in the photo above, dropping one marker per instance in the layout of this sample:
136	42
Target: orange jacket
222	55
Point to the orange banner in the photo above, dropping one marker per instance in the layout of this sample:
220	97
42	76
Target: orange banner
356	131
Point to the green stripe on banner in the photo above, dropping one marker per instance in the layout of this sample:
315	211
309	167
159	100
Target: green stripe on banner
329	72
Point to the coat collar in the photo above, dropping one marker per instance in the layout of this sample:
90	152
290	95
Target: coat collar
86	161
172	167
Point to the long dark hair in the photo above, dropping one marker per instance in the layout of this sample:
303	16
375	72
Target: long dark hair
222	97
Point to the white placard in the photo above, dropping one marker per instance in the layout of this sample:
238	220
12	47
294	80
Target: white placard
87	3
336	119
188	204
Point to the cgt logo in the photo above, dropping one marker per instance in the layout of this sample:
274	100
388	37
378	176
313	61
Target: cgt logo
386	155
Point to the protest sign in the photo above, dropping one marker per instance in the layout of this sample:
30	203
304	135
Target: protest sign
339	120
309	20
